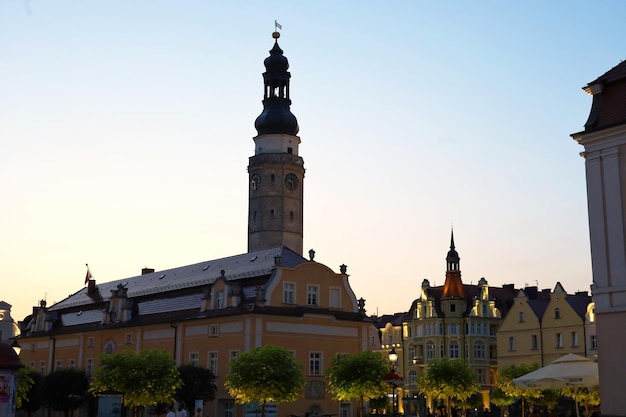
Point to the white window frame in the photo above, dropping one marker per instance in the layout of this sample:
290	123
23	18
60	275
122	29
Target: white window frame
194	358
312	295
289	293
315	364
220	301
212	361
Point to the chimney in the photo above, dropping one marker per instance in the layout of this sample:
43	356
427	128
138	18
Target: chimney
91	286
147	270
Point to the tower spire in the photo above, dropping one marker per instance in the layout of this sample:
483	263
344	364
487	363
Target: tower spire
453	287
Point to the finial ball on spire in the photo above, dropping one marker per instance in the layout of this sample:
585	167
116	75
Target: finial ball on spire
275	35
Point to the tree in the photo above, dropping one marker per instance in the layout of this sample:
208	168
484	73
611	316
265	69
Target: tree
198	384
25	382
508	387
30	398
145	378
64	389
358	376
265	374
448	379
582	396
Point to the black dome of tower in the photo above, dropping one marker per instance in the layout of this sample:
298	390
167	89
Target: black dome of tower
276	117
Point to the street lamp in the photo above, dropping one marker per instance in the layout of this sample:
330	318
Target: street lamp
393	377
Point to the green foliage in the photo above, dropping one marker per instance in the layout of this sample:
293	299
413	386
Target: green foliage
31	400
512	391
145	378
198	384
25	382
448	379
358	376
64	389
582	396
267	373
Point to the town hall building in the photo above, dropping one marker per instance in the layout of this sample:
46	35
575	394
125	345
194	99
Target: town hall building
208	312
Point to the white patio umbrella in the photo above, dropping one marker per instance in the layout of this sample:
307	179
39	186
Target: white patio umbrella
567	371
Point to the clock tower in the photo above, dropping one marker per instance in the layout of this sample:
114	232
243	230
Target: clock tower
275	172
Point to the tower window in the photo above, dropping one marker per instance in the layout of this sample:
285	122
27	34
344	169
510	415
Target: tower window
273	178
289	150
291	215
272	212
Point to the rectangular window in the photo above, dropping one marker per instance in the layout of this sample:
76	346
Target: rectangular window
593	342
312	295
129	338
335	298
72	364
345	410
233	354
289	293
42	367
479	350
89	370
214	331
511	343
58	365
315	363
559	340
481	375
229	409
454	350
91	342
452	308
533	342
194	358
575	339
453	329
213	362
219	300
430	351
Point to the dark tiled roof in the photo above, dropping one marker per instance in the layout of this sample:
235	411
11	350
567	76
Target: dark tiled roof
579	303
616	73
238	267
538	307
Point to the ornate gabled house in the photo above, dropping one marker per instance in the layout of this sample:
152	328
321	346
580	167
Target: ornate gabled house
542	327
455	321
206	313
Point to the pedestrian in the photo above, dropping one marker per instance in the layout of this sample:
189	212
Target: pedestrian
182	411
198	412
170	412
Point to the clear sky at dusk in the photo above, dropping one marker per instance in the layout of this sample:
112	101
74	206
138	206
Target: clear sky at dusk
126	127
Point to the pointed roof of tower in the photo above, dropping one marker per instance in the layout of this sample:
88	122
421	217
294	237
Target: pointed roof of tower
452	253
453	287
276	117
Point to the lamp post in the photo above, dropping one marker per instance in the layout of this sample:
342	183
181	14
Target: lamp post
393	362
9	364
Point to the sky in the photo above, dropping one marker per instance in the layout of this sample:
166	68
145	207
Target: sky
126	127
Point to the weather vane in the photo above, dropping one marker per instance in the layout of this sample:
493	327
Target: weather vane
277	25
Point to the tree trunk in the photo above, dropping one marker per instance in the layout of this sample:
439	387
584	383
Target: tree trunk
263	409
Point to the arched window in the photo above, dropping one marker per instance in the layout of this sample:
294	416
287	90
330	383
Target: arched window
412	376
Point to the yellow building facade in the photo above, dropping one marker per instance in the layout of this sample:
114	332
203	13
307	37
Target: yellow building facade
542	327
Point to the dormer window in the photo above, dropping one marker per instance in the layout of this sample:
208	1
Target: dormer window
219	300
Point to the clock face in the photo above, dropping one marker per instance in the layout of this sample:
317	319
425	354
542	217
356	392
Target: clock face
255	181
291	181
